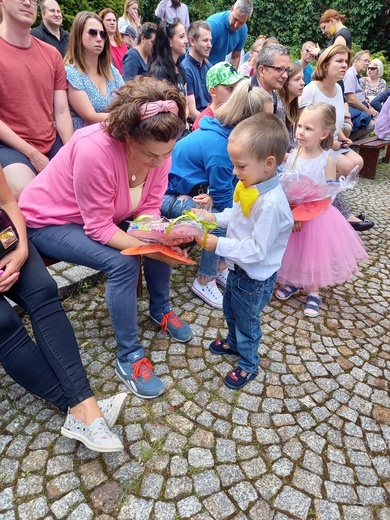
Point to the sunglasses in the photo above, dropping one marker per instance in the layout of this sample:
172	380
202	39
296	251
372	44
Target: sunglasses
95	32
372	68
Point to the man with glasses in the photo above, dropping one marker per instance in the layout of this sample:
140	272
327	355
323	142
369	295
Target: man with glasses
271	71
50	29
229	32
34	111
361	112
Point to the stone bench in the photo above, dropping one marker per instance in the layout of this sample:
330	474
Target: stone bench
369	151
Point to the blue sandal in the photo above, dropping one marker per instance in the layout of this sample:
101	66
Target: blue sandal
284	293
312	306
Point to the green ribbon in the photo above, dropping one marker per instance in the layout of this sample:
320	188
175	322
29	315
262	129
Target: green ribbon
189	215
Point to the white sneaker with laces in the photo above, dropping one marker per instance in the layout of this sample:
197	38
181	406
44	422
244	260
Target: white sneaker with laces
209	293
96	437
112	407
221	278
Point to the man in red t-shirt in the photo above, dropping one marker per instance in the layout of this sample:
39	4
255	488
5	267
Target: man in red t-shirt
34	111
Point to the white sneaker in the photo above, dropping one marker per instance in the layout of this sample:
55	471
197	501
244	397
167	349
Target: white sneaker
221	278
209	293
96	437
112	407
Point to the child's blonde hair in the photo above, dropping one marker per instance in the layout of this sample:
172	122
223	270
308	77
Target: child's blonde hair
260	136
245	101
326	115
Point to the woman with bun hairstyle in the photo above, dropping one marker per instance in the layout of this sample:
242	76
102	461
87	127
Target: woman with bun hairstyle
332	26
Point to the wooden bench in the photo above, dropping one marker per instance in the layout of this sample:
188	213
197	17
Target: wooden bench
369	151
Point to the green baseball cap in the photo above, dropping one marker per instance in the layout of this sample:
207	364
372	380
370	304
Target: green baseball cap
222	73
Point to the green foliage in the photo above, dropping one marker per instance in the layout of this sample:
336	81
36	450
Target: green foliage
291	22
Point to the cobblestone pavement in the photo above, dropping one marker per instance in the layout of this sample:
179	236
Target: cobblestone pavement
307	439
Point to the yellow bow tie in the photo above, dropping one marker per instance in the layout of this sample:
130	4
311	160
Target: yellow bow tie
246	196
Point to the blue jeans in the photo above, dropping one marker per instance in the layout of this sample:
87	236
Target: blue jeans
51	368
360	119
173	207
70	244
243	301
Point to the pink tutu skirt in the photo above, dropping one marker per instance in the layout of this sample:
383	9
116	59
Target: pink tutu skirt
325	252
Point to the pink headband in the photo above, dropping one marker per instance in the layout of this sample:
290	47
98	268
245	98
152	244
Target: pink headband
156	107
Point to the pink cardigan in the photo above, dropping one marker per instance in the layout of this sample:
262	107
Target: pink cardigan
86	183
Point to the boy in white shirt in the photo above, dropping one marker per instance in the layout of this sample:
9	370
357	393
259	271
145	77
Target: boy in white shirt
258	227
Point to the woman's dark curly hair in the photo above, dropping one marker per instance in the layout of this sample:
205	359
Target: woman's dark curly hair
124	118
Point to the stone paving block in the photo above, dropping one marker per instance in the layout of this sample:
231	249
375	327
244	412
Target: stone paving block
34	509
107	497
31	485
260	511
357	513
230	474
254	468
383	513
164	511
178	466
326	510
62	507
6	499
340	493
206	483
283	467
200	458
35	461
244	494
313	462
268	486
92	474
188	507
9	515
371	495
366	476
267	436
62	484
340	473
225	450
8	469
293	502
136	509
219	506
151	485
382	466
177	487
308	482
376	442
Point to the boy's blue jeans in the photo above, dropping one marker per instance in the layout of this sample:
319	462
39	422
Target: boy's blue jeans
172	208
243	301
70	244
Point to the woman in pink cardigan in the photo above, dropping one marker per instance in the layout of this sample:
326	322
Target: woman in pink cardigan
75	208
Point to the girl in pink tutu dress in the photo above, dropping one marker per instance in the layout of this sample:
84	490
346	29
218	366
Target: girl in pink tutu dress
326	250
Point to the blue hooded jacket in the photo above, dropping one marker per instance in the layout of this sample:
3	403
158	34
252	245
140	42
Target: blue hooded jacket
202	158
